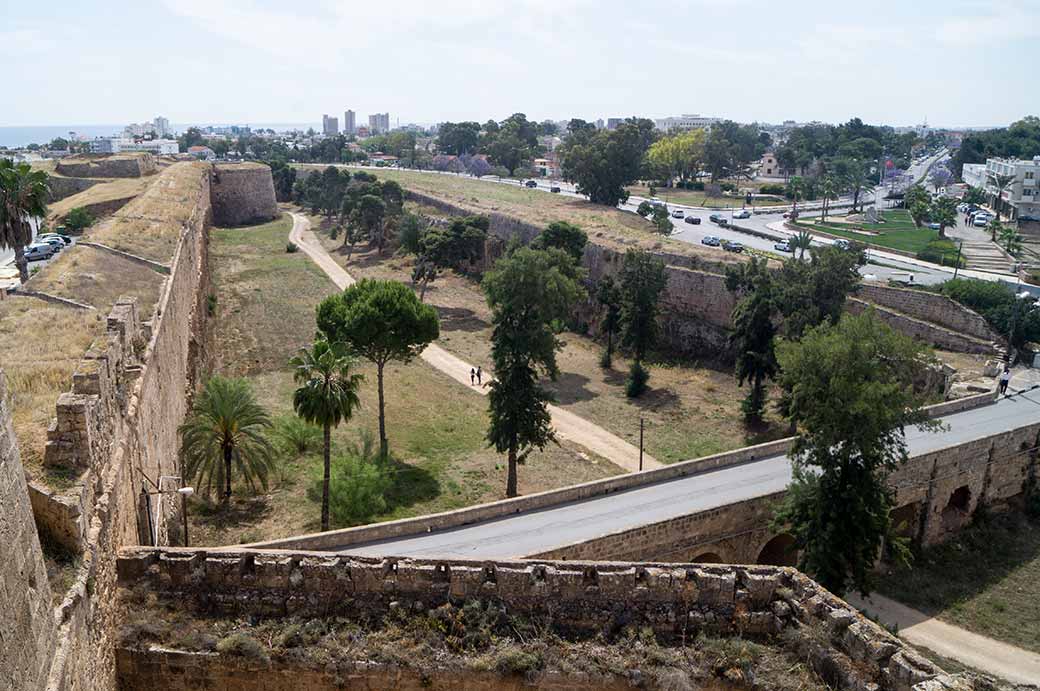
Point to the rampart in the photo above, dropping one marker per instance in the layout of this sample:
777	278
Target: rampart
61	186
677	601
130	165
930	307
243	193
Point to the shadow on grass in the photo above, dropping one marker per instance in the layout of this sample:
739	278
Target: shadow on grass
570	388
412	485
243	511
459	318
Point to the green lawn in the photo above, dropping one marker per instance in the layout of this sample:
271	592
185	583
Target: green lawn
898	232
986	580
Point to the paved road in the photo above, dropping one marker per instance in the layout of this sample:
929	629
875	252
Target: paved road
532	532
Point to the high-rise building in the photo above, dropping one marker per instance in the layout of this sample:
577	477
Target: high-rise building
162	127
349	124
379	123
329	126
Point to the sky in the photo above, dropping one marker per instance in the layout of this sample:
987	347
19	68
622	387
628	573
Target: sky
952	62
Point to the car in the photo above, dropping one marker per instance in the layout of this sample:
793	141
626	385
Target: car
710	241
733	247
787	214
783	247
934	226
554	188
65	238
695	220
723	223
54	241
743	213
531	183
842	244
38	251
980	222
678	213
715	218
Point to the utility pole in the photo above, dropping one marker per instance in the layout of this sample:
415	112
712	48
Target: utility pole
640	444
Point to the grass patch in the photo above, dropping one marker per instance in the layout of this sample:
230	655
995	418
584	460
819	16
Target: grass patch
986	579
898	232
99	196
265	302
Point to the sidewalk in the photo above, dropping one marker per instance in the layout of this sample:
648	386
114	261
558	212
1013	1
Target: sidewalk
568	425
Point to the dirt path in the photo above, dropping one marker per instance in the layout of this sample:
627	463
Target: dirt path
985	654
567	424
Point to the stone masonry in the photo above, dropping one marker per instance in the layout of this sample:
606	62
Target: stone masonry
243	193
129	165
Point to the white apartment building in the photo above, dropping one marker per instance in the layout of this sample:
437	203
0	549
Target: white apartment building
115	145
329	125
349	122
1020	200
379	123
974	174
685	122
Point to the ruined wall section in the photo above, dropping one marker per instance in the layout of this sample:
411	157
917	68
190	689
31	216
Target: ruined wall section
676	600
930	307
933	334
118	425
243	194
28	632
129	165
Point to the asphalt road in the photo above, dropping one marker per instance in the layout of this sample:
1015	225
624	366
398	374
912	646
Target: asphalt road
532	532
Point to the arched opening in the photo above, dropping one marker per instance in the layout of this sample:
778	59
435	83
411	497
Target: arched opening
957	511
904	520
779	551
707	558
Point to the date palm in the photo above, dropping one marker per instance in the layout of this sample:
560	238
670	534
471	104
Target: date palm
226	431
828	188
23	195
328	395
1002	182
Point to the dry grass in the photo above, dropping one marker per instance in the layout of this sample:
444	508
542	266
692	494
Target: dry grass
96	277
42	345
103	193
691	410
605	226
265	302
151	225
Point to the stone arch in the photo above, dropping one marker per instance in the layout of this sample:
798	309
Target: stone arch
779	551
957	511
709	557
904	519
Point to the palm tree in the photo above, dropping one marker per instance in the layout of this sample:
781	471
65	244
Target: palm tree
1002	182
23	195
226	429
796	186
327	397
828	188
801	242
1011	239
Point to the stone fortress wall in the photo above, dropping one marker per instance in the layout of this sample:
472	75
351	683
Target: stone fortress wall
243	193
677	601
129	165
116	430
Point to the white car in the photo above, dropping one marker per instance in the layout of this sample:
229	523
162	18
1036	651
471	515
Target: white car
782	246
980	222
743	213
678	213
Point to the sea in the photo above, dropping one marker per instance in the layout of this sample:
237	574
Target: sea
14	137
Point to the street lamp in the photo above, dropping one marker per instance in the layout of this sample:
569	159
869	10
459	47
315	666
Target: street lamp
184	491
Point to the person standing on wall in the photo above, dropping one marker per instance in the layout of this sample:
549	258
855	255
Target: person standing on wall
1005	379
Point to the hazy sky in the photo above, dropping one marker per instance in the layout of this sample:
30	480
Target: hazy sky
956	62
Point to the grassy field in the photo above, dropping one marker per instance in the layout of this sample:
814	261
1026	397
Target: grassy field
101	193
690	411
986	580
694	198
265	300
898	232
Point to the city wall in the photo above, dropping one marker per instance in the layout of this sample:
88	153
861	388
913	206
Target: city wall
579	598
129	165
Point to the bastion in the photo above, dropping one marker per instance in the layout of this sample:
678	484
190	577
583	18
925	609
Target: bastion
129	165
242	194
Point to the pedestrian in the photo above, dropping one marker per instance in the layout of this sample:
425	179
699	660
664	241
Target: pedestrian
911	278
1005	378
472	373
479	372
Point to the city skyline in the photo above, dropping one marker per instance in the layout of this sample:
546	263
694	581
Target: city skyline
552	60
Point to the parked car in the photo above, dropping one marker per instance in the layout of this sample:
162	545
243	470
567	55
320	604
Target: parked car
723	223
716	218
64	238
782	246
733	247
531	183
710	241
843	244
743	213
933	225
695	220
678	213
53	240
38	251
554	188
980	222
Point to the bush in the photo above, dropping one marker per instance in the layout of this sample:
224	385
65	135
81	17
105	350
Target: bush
696	186
291	248
514	660
776	189
295	437
243	646
359	483
334	232
941	252
645	209
638	376
409	233
78	220
727	187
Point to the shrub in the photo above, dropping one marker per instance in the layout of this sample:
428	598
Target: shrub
645	209
359	483
334	232
776	189
635	385
78	220
291	248
296	437
727	187
409	233
941	252
211	304
243	646
513	660
697	186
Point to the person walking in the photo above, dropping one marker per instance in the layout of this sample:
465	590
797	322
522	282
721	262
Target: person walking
472	374
479	372
1005	379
